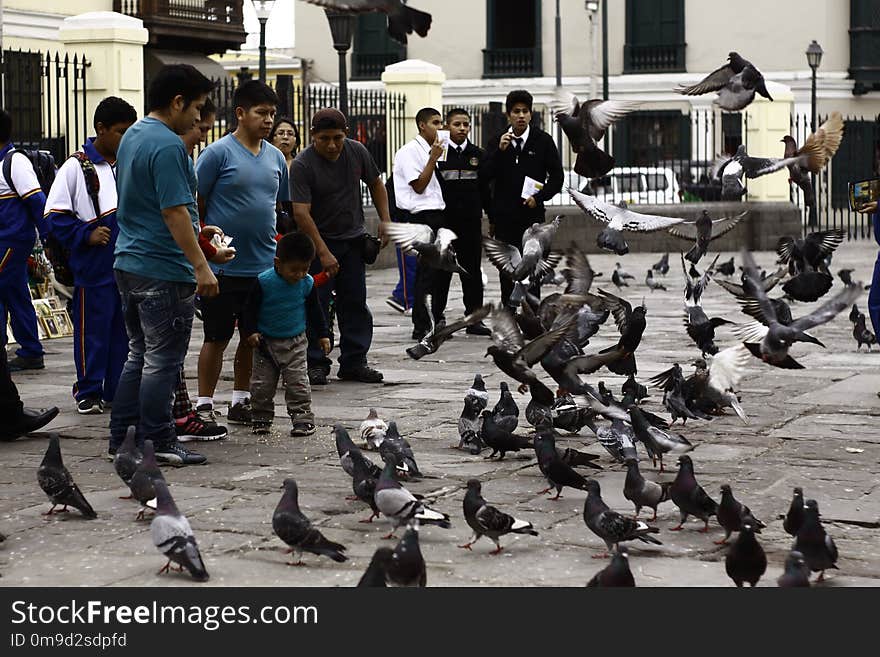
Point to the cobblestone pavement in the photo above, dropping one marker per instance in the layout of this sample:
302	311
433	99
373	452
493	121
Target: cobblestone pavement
814	428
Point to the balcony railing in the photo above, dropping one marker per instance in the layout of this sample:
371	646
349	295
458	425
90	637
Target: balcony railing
370	66
197	25
511	62
653	58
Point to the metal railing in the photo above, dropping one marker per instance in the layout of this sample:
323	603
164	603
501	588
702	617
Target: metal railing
46	95
370	66
511	62
667	58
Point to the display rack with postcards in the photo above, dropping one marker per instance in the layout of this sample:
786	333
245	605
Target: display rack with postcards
53	320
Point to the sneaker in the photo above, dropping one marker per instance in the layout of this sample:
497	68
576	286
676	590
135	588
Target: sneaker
174	454
478	329
302	429
20	363
193	429
397	305
318	376
90	406
240	413
261	428
206	414
363	373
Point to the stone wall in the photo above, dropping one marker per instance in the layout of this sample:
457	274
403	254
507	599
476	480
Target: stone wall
759	230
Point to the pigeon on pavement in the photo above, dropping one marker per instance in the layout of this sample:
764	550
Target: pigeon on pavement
363	482
506	412
732	515
612	527
735	83
618	439
862	334
486	520
653	284
689	496
127	457
656	441
616	573
795	516
642	492
814	543
58	484
376	573
585	125
745	560
402	20
173	536
142	481
407	565
373	429
558	473
344	447
399	446
400	506
498	439
469	422
726	268
662	265
292	526
796	572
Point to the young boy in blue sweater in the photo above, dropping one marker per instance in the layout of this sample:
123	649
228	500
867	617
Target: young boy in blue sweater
281	307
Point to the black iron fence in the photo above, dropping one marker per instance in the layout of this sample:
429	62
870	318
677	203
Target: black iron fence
46	95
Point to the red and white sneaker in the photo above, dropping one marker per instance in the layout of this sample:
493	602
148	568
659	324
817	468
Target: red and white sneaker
192	429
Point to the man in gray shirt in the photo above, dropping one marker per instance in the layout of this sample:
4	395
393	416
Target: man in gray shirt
325	191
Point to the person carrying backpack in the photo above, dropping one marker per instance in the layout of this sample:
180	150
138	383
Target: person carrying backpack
81	209
21	217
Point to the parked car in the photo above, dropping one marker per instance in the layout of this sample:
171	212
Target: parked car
634	185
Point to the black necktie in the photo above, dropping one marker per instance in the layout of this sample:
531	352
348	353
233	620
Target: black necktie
517	150
458	149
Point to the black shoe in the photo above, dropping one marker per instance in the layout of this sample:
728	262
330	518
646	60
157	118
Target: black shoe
302	429
318	376
174	454
240	413
418	334
363	373
29	420
261	428
19	363
90	406
478	329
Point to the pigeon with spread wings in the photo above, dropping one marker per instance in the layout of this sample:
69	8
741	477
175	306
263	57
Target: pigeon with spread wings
702	231
585	124
434	250
402	20
535	261
736	83
437	335
617	220
832	134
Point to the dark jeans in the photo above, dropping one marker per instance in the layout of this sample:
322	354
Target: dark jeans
158	318
353	318
874	298
468	249
426	278
10	403
512	234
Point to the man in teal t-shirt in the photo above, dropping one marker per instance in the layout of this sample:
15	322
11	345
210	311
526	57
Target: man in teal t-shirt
159	266
242	179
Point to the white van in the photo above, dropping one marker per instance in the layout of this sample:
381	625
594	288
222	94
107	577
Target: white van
634	185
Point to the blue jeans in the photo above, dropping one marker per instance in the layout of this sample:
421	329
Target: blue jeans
158	318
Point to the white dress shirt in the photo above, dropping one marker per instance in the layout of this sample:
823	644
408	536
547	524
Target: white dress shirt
409	162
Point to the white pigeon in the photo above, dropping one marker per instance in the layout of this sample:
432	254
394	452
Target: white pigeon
373	430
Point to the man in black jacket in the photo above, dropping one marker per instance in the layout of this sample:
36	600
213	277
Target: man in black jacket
465	199
522	151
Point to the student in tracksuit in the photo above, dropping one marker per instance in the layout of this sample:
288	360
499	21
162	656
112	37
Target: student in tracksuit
465	197
21	217
100	343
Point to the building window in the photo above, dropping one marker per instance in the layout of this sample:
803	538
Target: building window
650	139
373	48
864	45
654	36
513	39
23	95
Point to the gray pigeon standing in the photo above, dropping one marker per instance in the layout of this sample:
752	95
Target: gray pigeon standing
689	496
400	506
746	560
173	536
407	565
610	526
814	543
475	400
506	412
486	520
398	446
141	484
642	492
651	283
616	573
57	483
376	573
796	572
733	515
127	458
294	528
795	516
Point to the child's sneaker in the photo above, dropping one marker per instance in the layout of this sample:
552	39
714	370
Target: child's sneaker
261	428
302	429
191	428
240	413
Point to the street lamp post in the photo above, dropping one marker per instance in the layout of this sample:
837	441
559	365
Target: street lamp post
592	7
558	69
341	28
263	9
814	59
605	50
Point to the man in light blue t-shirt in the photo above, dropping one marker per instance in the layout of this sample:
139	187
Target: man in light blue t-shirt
242	179
159	266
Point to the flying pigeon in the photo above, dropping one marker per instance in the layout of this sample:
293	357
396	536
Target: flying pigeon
292	526
373	429
726	268
795	516
689	496
796	572
814	543
772	341
376	573
402	20
679	405
407	565
704	230
733	515
619	219
745	560
616	573
486	520
127	458
656	441
400	506
56	482
642	492
142	484
736	83
439	333
585	125
173	536
434	251
832	134
612	527
809	253
535	260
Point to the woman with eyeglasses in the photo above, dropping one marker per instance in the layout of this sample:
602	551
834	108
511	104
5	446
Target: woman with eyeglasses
285	137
